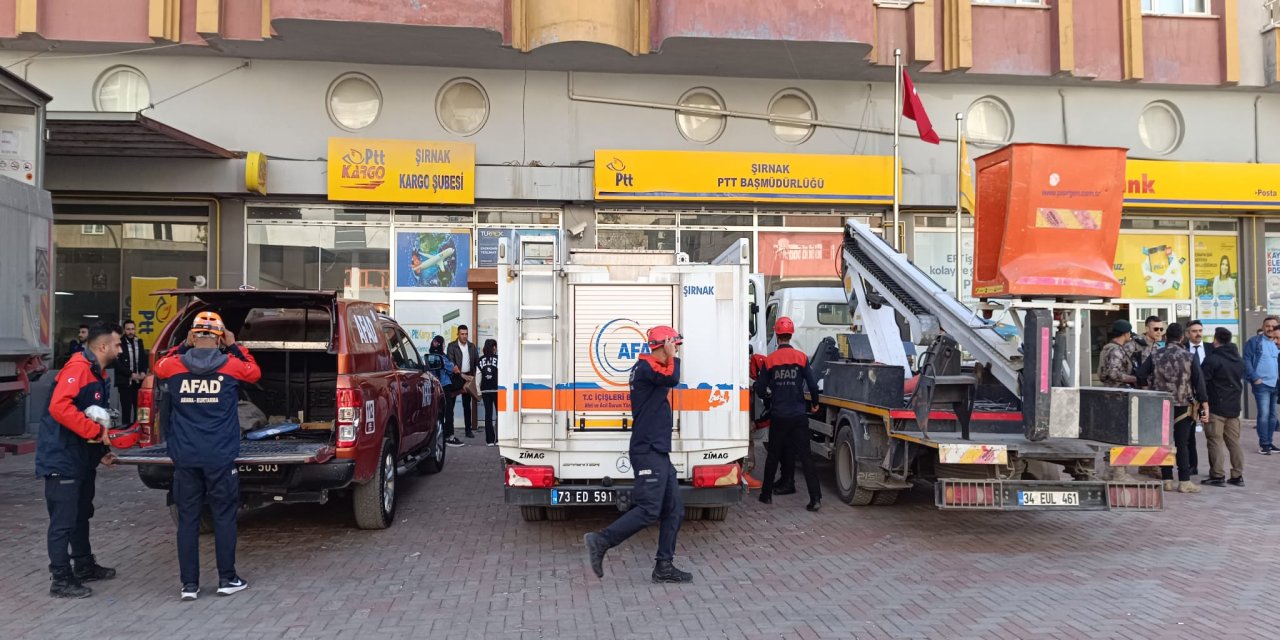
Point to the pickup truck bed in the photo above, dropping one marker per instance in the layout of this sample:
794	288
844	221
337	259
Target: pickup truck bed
273	452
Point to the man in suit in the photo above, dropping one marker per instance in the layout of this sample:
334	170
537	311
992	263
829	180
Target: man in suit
1199	351
131	368
464	353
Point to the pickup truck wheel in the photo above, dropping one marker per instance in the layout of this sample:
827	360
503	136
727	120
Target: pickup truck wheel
846	468
206	518
374	502
558	515
533	514
692	514
716	514
434	462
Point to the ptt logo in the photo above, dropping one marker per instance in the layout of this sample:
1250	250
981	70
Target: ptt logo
368	166
157	316
620	177
615	346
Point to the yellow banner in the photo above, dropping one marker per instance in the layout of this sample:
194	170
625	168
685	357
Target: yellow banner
402	171
150	312
1201	185
743	177
1151	266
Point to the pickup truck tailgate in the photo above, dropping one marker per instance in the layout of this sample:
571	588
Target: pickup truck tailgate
273	452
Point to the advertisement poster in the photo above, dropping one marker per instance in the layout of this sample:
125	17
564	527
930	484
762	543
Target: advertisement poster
935	255
487	242
800	255
1216	273
437	260
426	319
1273	275
1151	266
150	312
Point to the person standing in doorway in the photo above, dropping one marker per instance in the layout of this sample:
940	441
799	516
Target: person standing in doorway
77	343
201	385
1224	380
655	497
785	378
1261	370
463	352
489	390
452	384
1171	370
131	369
70	446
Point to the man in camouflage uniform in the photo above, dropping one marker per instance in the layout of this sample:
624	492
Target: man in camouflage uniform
1171	370
1115	366
1149	342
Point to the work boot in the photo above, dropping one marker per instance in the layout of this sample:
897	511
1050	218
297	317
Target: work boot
1238	482
1169	485
785	490
814	505
65	585
1215	481
88	570
1187	486
596	546
664	571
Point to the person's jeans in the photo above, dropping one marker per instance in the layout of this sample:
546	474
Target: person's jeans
1265	397
490	411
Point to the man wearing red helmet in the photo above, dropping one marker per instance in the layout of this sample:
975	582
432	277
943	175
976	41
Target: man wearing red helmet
785	376
656	494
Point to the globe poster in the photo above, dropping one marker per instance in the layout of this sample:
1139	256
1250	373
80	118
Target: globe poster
433	260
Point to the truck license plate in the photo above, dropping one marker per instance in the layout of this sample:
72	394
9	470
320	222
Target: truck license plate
258	469
1048	498
583	496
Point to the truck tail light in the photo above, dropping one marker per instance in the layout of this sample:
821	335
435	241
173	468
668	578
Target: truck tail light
146	425
531	477
717	475
349	416
968	494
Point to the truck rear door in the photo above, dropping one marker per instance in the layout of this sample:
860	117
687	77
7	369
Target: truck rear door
609	326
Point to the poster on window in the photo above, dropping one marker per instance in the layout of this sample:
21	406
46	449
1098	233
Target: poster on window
432	260
1273	276
487	243
426	319
1151	266
935	255
800	255
1216	273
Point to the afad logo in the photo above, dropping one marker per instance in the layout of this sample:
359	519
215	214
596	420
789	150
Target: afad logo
615	347
155	317
368	166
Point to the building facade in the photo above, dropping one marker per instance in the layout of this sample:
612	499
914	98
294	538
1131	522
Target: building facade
383	148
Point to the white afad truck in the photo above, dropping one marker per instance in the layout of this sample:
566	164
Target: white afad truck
571	326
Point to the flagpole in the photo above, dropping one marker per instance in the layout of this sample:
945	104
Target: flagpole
959	216
897	125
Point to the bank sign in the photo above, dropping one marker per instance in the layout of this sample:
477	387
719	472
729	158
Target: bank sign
715	176
1201	185
401	171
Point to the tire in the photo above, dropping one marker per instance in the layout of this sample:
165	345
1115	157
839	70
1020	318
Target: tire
560	514
206	518
716	514
692	514
846	471
533	514
886	497
435	462
374	502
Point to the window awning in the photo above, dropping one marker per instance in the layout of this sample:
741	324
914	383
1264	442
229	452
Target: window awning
122	135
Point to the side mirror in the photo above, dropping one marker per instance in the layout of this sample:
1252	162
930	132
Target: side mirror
435	361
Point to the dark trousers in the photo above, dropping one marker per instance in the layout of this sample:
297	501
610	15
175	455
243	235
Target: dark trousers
219	488
70	504
789	439
490	417
1184	431
654	498
128	405
1191	450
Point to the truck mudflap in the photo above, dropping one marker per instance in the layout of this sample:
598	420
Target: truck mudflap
1047	495
572	495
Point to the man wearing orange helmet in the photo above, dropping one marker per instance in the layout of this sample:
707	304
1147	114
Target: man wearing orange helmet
785	377
655	496
201	383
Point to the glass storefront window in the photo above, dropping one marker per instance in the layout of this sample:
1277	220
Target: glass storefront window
454	217
716	220
519	217
1153	223
636	239
354	260
664	218
705	246
319	214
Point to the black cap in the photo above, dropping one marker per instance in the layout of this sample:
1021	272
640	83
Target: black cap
1121	327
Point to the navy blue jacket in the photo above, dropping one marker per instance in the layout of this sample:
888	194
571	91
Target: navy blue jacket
651	384
63	446
785	376
201	388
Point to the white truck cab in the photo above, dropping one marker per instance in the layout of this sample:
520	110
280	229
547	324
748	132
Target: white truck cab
817	308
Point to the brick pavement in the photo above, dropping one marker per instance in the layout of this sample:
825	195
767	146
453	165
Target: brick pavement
460	564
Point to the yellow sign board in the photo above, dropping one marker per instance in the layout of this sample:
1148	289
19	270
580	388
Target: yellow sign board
716	176
1201	185
150	313
402	171
1152	266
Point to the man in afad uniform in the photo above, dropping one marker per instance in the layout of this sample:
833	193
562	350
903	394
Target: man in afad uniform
785	377
70	447
656	494
200	383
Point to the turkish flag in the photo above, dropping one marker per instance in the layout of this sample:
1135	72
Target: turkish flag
914	109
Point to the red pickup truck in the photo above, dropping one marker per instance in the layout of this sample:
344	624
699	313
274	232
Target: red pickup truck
364	401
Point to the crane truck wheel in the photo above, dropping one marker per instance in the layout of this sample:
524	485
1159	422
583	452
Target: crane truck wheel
846	470
886	497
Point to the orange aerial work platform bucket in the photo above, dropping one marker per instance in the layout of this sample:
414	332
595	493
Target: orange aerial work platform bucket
1048	221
